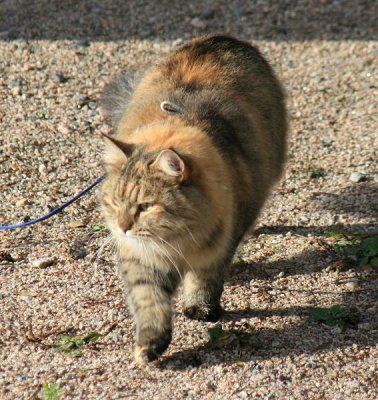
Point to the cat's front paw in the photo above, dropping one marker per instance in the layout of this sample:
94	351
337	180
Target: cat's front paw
143	355
204	313
150	349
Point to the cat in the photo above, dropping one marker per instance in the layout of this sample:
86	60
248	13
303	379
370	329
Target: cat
199	143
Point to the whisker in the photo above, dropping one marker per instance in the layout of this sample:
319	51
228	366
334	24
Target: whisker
100	250
191	235
164	253
178	252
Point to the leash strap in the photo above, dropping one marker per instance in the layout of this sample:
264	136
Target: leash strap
56	210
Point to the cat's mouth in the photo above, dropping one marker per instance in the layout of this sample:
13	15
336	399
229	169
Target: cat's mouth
137	234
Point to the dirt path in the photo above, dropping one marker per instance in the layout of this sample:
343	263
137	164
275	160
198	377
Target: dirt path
54	61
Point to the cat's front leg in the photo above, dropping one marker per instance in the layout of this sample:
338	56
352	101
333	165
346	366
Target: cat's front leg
149	293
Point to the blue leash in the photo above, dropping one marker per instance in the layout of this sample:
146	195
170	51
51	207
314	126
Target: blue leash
56	210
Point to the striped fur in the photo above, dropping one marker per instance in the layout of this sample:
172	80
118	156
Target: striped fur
183	188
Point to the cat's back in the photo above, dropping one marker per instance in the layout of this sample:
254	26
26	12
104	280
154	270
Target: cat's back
227	88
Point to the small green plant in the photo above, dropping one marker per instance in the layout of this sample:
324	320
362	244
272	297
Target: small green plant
335	233
72	345
369	250
51	391
238	262
100	228
335	316
355	249
219	337
315	173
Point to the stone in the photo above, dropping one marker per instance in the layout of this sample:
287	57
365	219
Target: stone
64	129
76	224
209	13
43	262
42	169
82	100
364	326
60	78
357	177
81	44
178	42
16	91
21	202
198	23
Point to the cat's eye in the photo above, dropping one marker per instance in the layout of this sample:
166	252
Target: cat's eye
144	207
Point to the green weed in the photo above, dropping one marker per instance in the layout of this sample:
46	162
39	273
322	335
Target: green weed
335	316
51	391
355	249
100	228
220	338
72	345
315	173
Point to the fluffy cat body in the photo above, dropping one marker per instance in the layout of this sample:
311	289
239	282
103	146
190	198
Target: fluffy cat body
187	181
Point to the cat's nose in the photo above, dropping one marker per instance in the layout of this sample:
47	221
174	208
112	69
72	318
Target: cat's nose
125	227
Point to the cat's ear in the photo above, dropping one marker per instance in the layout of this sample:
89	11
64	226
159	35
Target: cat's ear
171	164
116	152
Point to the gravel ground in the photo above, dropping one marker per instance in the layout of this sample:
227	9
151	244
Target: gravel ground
54	62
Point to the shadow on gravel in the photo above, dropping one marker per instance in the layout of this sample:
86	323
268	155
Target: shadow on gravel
295	339
297	335
172	19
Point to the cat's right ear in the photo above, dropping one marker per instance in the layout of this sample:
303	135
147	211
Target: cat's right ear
116	153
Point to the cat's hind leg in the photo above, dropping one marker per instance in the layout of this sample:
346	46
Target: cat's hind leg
202	293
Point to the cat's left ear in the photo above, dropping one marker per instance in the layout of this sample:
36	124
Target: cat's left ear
171	164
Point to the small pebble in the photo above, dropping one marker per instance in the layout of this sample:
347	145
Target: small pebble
64	129
16	91
208	14
198	23
82	100
76	224
178	42
352	285
27	67
357	177
42	169
43	262
21	202
14	83
59	77
81	44
78	254
364	326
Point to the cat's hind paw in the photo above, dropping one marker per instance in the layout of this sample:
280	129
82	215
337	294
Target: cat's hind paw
204	313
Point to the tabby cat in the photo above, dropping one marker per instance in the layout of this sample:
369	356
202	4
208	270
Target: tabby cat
199	143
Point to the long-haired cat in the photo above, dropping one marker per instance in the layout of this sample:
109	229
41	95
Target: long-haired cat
199	143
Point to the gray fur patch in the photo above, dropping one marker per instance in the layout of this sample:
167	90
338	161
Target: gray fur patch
116	96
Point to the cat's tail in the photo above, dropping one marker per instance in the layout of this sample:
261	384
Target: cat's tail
116	96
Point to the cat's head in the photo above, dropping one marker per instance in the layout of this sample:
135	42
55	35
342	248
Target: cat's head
157	195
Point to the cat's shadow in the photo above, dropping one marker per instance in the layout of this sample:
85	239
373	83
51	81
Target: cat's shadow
300	336
305	337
